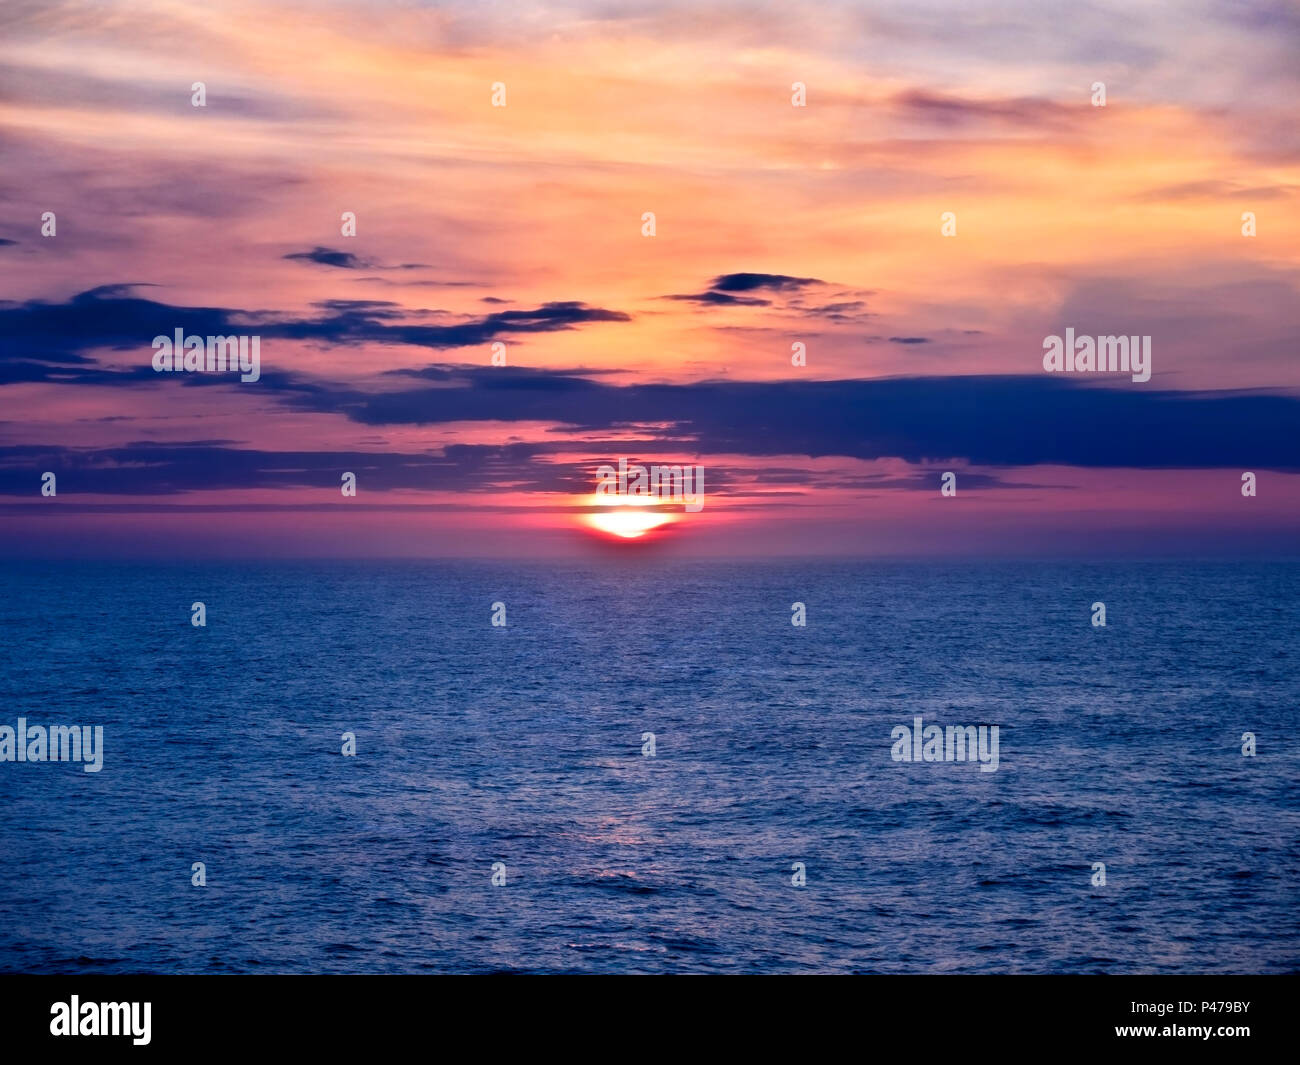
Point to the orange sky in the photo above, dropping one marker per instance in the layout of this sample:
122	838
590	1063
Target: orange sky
1123	218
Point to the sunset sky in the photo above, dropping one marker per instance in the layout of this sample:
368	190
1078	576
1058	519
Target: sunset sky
774	225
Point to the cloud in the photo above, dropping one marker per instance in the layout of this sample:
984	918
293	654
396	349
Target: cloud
1213	190
141	92
156	469
986	420
722	289
346	260
773	282
148	468
719	298
951	111
42	341
982	422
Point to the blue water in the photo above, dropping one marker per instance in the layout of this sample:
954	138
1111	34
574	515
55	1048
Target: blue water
522	745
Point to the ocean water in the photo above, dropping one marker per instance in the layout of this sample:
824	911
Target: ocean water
523	745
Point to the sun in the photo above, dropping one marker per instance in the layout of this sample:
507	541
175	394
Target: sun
626	517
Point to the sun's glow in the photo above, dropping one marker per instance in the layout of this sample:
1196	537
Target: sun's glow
626	517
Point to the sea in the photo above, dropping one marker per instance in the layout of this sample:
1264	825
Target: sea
645	767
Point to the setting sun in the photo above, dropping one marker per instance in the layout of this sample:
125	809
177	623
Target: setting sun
626	517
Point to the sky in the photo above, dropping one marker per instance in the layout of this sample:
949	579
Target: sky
500	159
